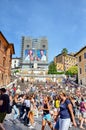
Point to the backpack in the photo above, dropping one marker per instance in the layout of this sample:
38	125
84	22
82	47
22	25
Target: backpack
57	103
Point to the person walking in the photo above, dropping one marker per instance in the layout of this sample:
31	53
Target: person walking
28	105
4	104
15	108
65	114
46	114
83	113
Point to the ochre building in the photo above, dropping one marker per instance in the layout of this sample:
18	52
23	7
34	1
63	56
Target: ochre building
64	63
6	51
81	59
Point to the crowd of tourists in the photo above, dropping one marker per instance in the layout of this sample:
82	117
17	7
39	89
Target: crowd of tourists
59	105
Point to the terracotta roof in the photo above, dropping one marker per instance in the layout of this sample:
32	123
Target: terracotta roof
12	45
4	37
80	50
67	54
9	44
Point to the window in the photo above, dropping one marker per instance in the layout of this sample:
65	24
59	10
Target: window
14	65
15	61
80	71
2	77
43	46
10	56
3	61
5	49
28	46
0	43
85	67
35	40
84	55
81	82
79	58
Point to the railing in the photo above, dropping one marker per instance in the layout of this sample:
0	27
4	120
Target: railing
11	84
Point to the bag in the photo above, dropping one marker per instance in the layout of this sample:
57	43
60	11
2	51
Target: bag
9	109
57	104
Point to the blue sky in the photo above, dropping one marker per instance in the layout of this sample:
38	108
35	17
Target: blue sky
63	22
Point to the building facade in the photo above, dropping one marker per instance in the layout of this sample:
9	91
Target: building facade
64	63
81	59
34	52
34	57
6	51
15	63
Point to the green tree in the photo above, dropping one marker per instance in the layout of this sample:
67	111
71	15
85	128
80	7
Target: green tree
72	71
64	53
52	68
16	71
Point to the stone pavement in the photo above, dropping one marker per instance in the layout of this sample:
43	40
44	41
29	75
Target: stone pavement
20	126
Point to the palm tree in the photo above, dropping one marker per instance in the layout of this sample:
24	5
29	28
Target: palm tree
64	53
